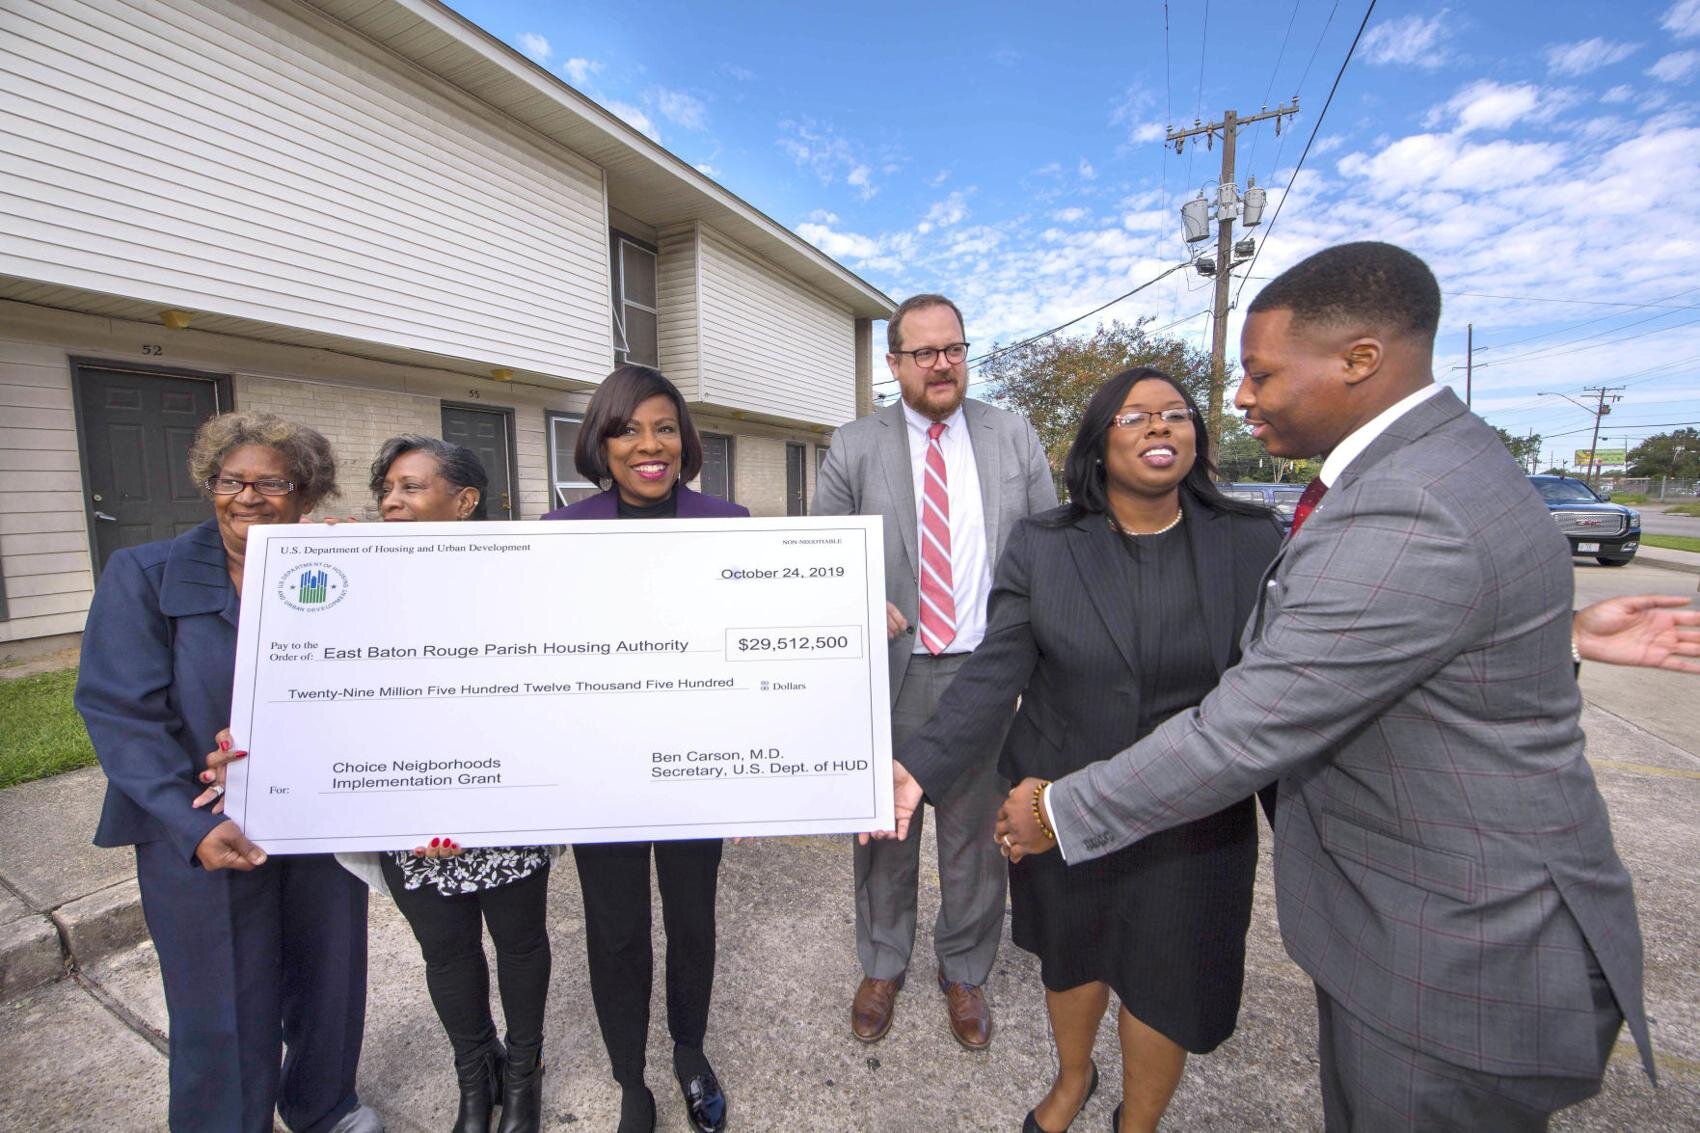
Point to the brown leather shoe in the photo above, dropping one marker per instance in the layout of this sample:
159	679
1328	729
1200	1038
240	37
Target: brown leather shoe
870	1013
970	1014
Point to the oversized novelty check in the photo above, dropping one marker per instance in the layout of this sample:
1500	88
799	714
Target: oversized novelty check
528	683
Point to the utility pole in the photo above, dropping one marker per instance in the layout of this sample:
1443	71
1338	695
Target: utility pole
1469	358
1599	412
1228	207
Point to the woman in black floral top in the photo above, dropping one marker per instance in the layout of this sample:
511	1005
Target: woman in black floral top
449	895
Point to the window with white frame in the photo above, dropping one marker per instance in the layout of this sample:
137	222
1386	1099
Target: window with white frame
563	437
633	279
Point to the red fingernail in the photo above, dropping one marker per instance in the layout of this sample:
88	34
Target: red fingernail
239	755
417	852
436	841
224	745
450	844
206	776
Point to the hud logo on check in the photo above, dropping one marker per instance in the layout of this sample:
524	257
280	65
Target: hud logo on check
311	587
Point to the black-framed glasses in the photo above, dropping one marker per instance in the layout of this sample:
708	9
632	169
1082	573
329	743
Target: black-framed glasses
1138	420
231	486
927	355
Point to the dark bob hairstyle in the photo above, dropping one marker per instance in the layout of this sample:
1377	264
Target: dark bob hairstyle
613	404
457	464
1083	470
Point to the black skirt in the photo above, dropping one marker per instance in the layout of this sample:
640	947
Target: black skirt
1163	922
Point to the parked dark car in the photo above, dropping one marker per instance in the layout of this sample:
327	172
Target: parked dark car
1281	498
1595	526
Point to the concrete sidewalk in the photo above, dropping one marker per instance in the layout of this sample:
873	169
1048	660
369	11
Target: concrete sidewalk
86	1051
1687	562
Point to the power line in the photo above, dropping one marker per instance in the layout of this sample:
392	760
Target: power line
1299	88
1251	160
1588	302
1567	329
1561	349
990	354
1198	107
1064	326
1288	191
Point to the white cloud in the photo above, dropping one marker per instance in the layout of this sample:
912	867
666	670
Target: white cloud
634	117
829	156
1575	59
1427	162
1068	215
742	74
1677	67
1147	132
938	178
1487	105
706	169
680	108
578	71
1085	170
952	210
1623	92
533	45
1682	19
1409	40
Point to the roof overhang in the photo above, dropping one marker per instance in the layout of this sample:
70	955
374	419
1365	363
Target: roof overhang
644	178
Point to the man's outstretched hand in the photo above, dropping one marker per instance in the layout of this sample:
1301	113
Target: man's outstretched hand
1654	631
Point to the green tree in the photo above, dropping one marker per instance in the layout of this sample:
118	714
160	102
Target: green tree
1050	381
1524	450
1675	454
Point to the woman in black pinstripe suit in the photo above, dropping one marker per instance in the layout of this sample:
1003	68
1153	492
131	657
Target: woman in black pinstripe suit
1107	616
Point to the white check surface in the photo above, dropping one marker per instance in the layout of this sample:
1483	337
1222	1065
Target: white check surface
529	683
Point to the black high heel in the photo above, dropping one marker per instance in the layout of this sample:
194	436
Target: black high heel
1031	1123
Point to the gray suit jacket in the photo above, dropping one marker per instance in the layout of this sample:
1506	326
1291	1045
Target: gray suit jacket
1443	858
867	472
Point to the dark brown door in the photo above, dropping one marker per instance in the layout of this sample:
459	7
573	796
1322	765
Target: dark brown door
796	501
136	427
486	432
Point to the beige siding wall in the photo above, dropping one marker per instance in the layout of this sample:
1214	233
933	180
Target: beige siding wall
770	344
43	535
249	161
44	540
758	461
676	296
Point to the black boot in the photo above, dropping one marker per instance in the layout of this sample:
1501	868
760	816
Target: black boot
480	1072
522	1095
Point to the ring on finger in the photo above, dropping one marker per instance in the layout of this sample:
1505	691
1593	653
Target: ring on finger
216	790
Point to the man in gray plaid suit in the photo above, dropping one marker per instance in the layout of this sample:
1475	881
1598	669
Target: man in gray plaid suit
1444	866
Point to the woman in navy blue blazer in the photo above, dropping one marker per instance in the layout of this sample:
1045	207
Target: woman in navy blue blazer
264	960
638	443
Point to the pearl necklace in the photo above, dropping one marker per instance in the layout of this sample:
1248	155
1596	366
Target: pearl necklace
1169	526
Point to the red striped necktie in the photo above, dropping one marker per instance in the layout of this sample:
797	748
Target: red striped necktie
938	605
1307	503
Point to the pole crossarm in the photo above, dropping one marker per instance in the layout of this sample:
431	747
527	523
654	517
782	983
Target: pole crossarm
1285	110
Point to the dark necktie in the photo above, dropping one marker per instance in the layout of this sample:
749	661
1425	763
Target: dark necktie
1307	503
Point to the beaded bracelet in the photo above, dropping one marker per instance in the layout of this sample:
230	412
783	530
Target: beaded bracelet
1039	810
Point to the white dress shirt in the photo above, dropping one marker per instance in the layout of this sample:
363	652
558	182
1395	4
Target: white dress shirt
1344	453
970	570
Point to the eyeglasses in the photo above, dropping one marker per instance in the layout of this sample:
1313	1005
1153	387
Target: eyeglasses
230	486
927	355
1137	420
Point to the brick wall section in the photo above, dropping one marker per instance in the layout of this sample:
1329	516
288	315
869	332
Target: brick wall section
355	420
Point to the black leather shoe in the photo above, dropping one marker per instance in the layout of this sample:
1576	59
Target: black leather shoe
1031	1125
637	1110
522	1093
480	1072
705	1102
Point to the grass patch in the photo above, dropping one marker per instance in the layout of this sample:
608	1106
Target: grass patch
43	734
1634	499
1672	542
1684	509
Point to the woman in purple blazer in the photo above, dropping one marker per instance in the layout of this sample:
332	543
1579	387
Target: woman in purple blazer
638	443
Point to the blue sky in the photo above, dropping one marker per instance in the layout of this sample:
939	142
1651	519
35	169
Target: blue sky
1544	158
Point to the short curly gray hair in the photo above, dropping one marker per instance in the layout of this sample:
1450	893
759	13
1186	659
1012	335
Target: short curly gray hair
308	454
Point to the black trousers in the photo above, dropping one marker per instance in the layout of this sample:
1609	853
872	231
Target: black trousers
450	931
254	962
615	879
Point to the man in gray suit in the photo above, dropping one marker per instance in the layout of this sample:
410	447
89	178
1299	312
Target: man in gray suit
1444	866
951	477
